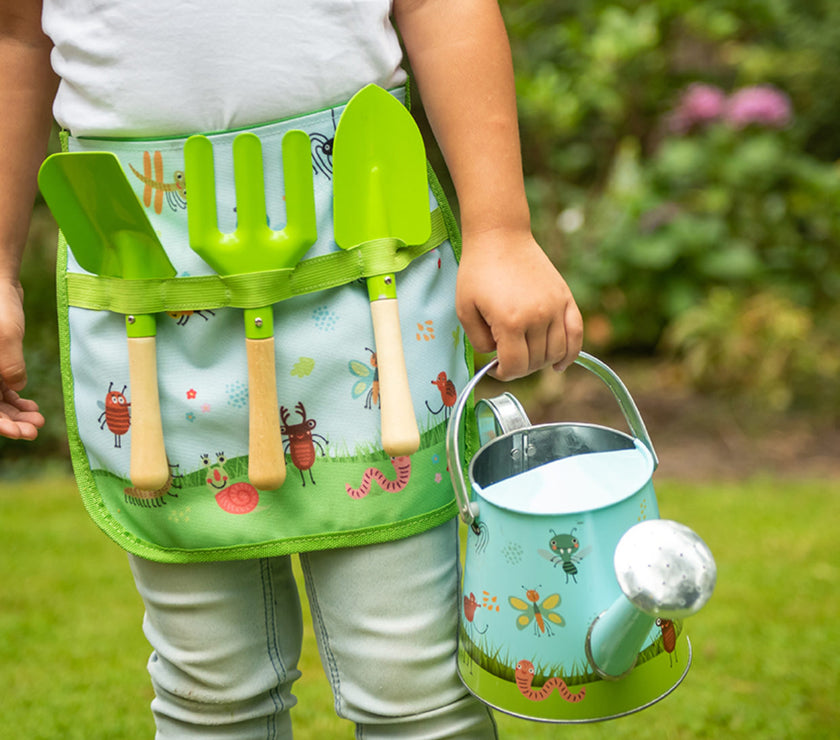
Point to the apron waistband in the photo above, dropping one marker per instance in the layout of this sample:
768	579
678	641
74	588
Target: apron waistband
250	290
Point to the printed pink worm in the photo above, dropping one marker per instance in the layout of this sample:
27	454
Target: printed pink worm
525	677
402	466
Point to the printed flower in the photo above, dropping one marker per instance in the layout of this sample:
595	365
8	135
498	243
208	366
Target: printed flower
438	477
205	407
190	416
763	105
435	459
191	394
698	105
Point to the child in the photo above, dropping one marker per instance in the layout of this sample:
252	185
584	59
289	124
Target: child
226	633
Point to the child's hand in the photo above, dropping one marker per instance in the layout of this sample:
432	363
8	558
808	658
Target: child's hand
19	417
510	298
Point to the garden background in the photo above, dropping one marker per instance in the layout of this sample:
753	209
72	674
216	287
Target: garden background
682	166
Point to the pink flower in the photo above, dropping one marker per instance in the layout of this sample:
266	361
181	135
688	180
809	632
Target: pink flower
763	105
699	104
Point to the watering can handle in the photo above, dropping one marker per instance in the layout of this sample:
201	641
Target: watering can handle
628	408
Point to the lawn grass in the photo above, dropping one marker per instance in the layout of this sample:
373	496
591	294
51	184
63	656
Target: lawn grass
766	648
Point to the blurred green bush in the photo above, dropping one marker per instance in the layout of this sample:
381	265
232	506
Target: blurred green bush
650	200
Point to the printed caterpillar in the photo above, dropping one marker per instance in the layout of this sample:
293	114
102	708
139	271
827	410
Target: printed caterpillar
525	677
152	499
402	466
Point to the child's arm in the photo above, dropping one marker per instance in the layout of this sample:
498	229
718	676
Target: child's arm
27	88
509	296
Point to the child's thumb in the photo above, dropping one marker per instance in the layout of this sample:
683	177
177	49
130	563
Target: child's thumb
12	366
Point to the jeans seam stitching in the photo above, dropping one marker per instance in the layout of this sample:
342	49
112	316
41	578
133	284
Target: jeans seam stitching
272	648
318	622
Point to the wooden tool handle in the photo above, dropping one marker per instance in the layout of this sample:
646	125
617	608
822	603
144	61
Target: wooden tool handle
149	466
400	435
266	463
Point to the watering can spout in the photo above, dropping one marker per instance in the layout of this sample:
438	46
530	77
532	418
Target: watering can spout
665	572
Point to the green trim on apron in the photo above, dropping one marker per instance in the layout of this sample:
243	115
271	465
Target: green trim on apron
341	489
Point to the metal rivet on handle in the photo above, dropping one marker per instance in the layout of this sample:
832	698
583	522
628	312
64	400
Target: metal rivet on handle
131	319
258	322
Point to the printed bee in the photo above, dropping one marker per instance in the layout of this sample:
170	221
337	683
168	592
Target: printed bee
565	549
115	413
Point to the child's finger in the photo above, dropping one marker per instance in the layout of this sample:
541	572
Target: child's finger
537	339
514	357
557	345
18	429
573	332
477	331
25	404
12	367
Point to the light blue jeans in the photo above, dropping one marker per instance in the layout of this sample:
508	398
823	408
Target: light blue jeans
227	638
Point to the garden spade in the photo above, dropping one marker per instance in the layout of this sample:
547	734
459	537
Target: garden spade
110	235
254	247
381	191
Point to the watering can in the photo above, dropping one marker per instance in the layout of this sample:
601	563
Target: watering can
574	590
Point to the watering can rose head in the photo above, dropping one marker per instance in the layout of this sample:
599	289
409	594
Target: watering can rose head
665	569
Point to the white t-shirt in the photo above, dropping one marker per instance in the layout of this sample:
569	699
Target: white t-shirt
158	67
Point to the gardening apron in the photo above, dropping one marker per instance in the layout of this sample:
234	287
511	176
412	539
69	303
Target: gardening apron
341	489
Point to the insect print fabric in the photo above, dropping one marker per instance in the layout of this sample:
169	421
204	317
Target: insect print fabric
155	185
402	467
115	414
322	149
448	394
341	488
366	383
301	441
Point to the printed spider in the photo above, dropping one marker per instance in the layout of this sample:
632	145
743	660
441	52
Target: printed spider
322	150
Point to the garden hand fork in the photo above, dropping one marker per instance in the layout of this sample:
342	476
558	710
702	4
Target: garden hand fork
254	247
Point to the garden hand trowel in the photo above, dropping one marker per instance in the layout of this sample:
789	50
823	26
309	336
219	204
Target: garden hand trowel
110	235
381	191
